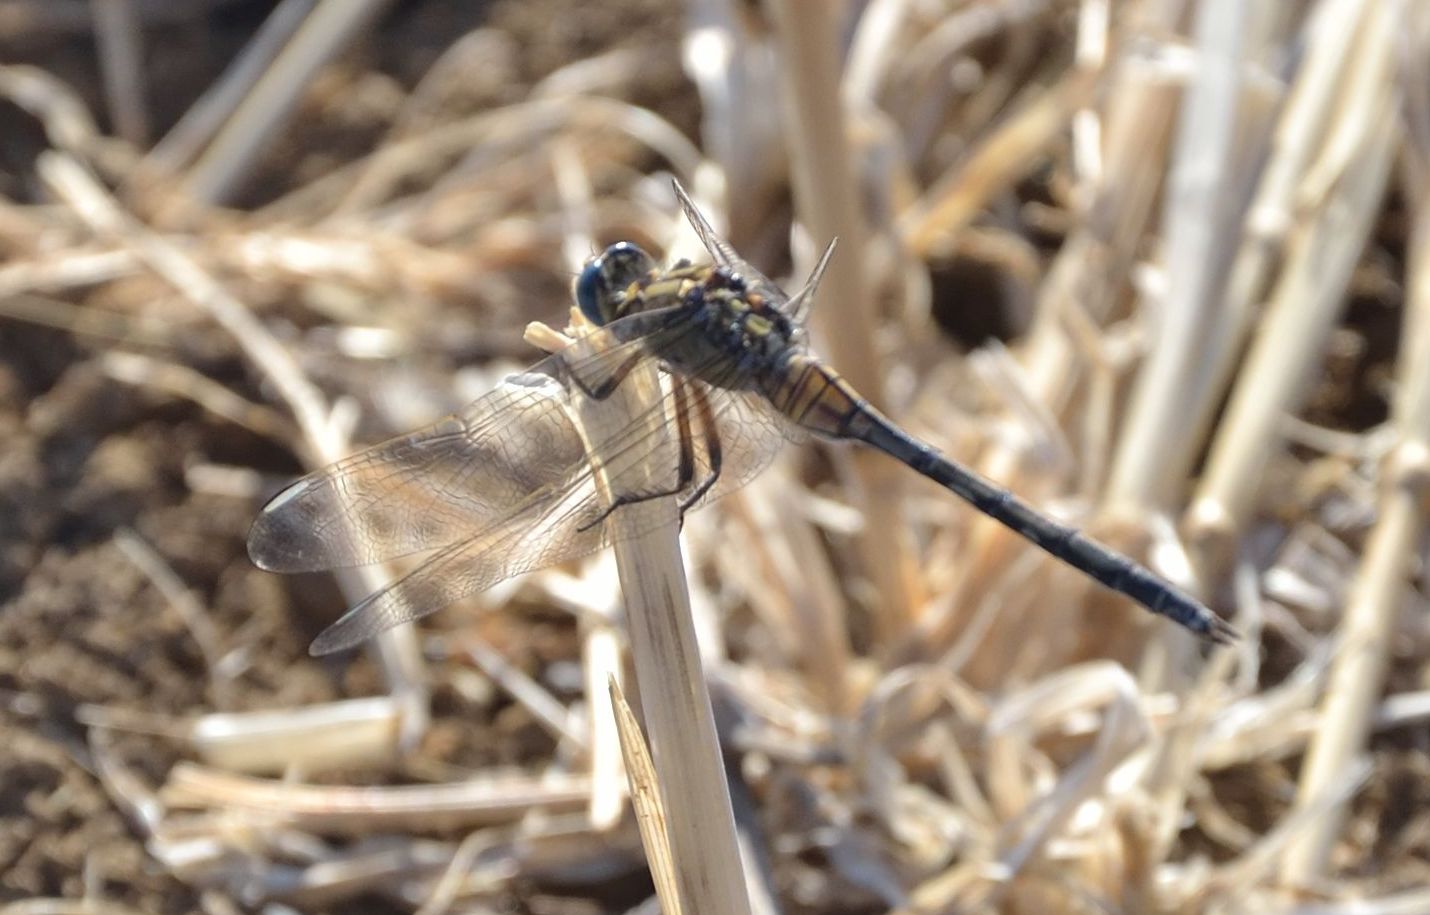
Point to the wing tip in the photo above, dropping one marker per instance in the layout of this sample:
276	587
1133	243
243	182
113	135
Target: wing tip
327	643
349	630
271	549
338	637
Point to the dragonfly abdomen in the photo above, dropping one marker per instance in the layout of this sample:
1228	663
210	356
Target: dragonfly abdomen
1104	565
815	397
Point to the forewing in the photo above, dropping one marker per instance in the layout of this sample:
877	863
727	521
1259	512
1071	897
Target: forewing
722	251
563	526
543	533
442	484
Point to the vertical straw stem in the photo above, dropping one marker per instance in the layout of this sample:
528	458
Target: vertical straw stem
670	677
1201	213
825	196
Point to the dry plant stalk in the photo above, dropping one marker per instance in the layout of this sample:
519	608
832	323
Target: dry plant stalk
1311	104
1200	220
646	798
1357	675
270	101
121	54
1007	154
795	591
825	196
601	656
344	809
186	139
1085	278
675	700
1346	186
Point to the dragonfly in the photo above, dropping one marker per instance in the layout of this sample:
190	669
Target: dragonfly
510	483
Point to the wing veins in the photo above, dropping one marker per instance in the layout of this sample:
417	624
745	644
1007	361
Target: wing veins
528	537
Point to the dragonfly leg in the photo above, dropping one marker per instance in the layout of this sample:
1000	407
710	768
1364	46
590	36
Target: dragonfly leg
605	388
685	471
633	498
713	454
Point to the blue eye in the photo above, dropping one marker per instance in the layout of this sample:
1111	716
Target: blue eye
588	287
601	288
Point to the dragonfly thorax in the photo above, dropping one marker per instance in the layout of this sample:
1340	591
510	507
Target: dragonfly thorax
726	333
720	327
742	320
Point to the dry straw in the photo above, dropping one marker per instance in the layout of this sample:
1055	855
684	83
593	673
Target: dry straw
916	712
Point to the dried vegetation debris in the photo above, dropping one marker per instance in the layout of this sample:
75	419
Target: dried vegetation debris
165	361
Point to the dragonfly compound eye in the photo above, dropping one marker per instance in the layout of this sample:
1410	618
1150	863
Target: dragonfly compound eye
602	282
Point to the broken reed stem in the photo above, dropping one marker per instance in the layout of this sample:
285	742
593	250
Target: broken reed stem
314	738
645	793
825	198
670	677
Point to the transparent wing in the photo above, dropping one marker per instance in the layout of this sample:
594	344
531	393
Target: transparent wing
507	486
542	533
423	490
723	252
749	433
433	487
739	431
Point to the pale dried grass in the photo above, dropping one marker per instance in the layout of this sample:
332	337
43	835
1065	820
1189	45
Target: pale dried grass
921	714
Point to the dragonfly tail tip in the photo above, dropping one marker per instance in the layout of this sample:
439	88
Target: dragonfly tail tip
1220	631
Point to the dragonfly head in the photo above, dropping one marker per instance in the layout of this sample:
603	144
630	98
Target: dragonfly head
601	288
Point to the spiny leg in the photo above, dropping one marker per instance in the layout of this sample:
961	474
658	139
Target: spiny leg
609	385
713	454
685	471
